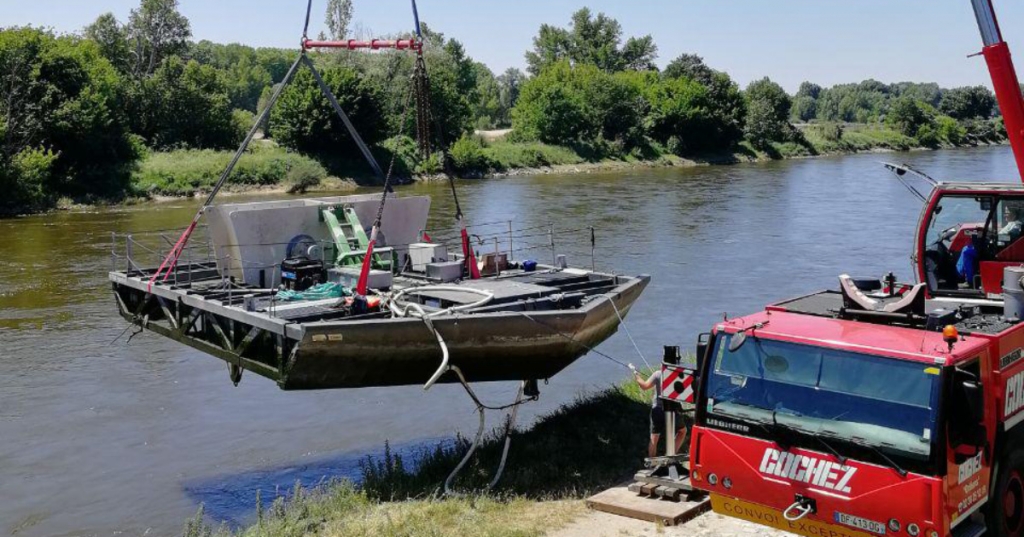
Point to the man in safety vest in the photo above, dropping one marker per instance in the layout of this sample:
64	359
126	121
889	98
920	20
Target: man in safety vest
658	412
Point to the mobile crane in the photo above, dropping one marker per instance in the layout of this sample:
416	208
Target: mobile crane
884	408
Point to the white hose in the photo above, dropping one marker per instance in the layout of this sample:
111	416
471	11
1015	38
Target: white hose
402	311
413	309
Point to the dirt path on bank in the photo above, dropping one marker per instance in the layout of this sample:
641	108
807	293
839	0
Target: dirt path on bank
598	524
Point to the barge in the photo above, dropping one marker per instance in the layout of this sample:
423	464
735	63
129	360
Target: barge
254	298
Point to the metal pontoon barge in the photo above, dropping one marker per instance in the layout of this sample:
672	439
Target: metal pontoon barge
535	323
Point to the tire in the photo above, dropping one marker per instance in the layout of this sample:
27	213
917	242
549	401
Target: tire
1005	513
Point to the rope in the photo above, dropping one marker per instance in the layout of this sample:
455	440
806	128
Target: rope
574	340
622	322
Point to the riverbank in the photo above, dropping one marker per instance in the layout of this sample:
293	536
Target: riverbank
269	169
583	447
490	154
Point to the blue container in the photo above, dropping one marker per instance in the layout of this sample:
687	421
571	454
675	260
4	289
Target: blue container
529	265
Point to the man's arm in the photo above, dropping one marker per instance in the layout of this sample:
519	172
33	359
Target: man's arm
645	384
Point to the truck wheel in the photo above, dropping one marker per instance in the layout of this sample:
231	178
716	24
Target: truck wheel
1006	512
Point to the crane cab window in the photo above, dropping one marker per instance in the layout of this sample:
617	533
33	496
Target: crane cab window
965	230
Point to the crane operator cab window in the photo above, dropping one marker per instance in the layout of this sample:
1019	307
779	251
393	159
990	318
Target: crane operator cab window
965	231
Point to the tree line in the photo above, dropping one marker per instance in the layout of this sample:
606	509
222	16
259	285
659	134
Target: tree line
78	112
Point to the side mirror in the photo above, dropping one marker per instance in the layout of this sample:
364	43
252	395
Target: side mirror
703	341
975	400
967	411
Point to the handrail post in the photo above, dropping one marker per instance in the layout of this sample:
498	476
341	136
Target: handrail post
551	238
511	252
128	250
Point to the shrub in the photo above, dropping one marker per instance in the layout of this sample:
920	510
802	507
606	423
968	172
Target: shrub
829	131
908	115
674	145
23	180
243	121
949	130
467	155
185	172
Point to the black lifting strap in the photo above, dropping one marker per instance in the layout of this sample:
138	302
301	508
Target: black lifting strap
344	119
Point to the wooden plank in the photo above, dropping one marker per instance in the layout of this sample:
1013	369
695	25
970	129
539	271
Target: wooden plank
620	501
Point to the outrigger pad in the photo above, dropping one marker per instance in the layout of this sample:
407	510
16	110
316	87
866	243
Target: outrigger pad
911	301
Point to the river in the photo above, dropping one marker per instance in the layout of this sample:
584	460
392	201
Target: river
101	438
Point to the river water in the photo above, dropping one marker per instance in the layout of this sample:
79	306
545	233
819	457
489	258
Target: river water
130	438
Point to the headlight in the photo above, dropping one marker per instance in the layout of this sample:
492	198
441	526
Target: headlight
894	525
695	475
726	482
913	530
933	533
713	479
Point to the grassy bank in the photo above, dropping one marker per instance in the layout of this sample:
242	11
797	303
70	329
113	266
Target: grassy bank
187	172
583	447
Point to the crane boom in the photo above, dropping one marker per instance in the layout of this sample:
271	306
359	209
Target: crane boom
1004	78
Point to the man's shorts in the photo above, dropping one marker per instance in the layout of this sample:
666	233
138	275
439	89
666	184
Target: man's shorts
657	420
684	420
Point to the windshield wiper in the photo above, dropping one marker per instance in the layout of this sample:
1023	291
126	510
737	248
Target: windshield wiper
877	451
839	457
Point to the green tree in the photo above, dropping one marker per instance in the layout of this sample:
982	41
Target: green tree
112	38
276	61
968	103
339	16
245	82
768	107
186	104
727	109
485	98
593	40
805	108
680	109
690	66
809	89
156	30
908	116
509	84
552	109
304	120
64	133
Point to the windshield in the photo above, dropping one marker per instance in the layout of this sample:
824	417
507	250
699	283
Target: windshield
865	399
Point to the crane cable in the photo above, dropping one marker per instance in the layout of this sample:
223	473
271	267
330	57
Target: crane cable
423	133
364	272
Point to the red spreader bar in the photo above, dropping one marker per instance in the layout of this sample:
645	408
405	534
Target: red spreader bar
373	44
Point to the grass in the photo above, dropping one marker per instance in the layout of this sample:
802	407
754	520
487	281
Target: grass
186	172
511	155
585	446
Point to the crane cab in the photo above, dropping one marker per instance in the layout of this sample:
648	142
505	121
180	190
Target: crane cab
967	234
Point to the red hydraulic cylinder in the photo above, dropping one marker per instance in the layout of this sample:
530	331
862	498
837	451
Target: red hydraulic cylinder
373	44
1004	77
1004	80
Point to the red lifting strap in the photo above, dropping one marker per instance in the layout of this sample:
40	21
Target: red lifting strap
374	44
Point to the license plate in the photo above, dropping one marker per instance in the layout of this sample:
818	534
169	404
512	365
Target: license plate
759	514
860	523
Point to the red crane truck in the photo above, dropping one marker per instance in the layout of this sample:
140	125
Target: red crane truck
884	408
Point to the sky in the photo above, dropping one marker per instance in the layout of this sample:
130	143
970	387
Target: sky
824	41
